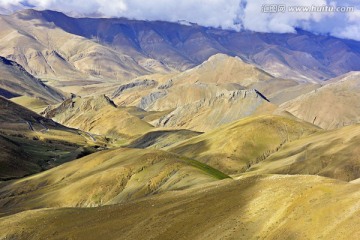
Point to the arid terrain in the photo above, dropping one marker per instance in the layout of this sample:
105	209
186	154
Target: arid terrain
112	128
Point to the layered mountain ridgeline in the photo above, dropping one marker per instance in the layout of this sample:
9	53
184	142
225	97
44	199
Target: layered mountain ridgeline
302	55
160	116
52	54
31	143
54	46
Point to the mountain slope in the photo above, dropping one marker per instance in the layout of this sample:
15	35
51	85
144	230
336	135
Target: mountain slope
64	59
302	55
16	81
234	147
161	139
31	143
218	91
104	178
120	49
98	115
262	207
225	107
332	106
333	154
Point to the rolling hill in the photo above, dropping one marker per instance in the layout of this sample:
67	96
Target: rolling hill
333	154
106	177
263	207
234	147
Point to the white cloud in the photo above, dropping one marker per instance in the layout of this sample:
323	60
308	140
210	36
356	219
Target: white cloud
246	14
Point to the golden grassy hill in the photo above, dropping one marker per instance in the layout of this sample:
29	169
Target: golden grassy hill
98	115
262	207
234	147
333	154
31	143
33	104
106	177
332	106
15	81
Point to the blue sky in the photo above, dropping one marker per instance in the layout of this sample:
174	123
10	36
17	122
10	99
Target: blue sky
229	14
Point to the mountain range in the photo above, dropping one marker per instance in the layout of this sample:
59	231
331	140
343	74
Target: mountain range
112	128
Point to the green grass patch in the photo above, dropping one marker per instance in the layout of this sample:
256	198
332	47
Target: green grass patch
206	168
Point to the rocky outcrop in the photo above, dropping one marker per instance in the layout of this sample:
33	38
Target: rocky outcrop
136	84
225	107
148	100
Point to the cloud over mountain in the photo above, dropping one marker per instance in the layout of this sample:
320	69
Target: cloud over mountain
229	14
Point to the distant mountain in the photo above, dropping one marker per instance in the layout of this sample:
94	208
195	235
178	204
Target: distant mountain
52	45
65	59
302	55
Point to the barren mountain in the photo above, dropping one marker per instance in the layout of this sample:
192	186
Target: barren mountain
54	46
15	81
126	129
220	90
332	106
50	53
302	55
98	115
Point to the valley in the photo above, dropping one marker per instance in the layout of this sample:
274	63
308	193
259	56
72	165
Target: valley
112	128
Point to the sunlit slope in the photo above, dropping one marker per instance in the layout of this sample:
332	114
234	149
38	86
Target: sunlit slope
233	148
15	81
160	139
208	114
332	106
98	115
332	154
219	91
263	207
31	143
106	177
217	74
33	104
